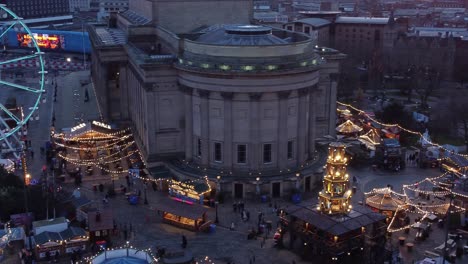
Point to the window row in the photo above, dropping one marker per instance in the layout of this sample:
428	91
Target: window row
241	151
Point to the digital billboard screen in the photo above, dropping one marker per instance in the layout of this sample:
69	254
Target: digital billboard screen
44	41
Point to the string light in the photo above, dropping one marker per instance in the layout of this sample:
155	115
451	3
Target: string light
401	128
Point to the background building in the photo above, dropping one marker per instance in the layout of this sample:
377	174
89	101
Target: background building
38	8
209	94
79	5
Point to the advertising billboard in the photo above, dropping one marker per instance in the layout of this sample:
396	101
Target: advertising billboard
44	41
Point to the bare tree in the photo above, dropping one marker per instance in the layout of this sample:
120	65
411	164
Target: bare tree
427	80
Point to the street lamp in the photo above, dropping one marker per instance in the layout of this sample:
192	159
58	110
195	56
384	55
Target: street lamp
257	187
146	198
68	59
216	206
297	180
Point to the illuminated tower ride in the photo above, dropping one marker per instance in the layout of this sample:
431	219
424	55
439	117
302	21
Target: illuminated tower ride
336	194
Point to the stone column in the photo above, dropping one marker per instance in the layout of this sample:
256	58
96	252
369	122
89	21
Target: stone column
124	86
205	126
312	121
227	145
332	102
188	92
282	147
253	148
301	126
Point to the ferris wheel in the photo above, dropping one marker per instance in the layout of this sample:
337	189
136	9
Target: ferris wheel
22	76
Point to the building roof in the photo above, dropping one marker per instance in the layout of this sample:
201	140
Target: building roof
337	224
458	160
105	223
72	232
135	18
316	22
241	35
111	36
191	211
362	20
55	221
47	236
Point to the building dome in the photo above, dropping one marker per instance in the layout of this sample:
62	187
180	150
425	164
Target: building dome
242	35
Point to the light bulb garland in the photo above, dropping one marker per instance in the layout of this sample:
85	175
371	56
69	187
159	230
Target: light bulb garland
401	128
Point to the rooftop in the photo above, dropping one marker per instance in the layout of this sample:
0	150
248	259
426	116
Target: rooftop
242	35
362	20
135	18
55	221
337	224
106	221
111	36
316	22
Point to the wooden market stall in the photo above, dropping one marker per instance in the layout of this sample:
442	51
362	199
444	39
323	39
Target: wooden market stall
185	215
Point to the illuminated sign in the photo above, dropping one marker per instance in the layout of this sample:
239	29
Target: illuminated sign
45	41
101	124
80	126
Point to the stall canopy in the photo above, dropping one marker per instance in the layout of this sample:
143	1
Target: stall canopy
47	236
348	127
191	211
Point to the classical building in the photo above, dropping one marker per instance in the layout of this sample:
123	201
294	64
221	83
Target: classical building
207	93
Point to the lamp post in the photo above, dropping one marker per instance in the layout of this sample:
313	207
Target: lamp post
216	206
146	198
257	189
297	180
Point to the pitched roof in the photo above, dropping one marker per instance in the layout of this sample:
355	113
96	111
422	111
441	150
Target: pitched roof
59	220
47	236
192	211
72	232
337	224
106	221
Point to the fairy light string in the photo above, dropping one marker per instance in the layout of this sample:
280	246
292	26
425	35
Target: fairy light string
402	128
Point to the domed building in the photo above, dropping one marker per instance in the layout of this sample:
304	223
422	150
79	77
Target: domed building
209	94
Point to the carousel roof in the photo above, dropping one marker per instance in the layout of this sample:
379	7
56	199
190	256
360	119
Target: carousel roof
348	127
385	199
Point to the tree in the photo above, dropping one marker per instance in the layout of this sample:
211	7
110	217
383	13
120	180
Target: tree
395	113
451	115
427	80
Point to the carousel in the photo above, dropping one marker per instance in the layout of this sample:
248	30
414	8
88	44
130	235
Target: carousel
94	150
385	201
370	139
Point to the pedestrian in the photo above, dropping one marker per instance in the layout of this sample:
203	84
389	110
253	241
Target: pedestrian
32	154
232	226
248	215
234	207
253	258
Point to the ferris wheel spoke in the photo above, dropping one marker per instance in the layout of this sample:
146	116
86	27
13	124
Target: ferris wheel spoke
19	59
9	113
8	29
22	87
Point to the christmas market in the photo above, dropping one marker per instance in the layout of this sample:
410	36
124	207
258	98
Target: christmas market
94	150
385	201
183	214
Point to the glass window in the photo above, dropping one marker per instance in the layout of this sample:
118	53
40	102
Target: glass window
290	149
217	152
199	146
307	30
266	153
241	153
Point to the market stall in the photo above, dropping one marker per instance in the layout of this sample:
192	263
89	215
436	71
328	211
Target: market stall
193	191
348	128
185	215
